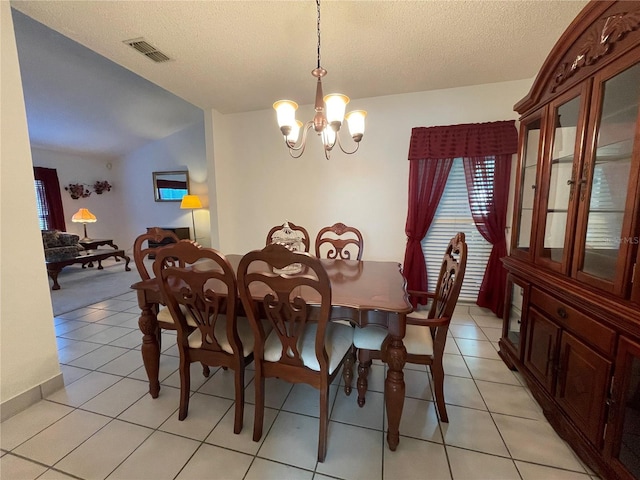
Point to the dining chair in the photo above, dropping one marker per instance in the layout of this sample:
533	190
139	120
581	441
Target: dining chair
426	331
145	248
303	346
199	284
339	242
288	230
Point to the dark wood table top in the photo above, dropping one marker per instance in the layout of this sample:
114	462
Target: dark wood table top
360	285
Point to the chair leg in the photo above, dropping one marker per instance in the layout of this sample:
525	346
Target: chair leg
437	373
363	384
185	385
239	381
259	413
347	370
324	423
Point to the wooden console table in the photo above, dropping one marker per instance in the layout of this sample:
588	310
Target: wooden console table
88	256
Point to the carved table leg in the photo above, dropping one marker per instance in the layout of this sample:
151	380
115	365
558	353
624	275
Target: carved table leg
395	356
54	276
150	348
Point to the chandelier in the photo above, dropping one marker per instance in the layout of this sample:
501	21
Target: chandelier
326	122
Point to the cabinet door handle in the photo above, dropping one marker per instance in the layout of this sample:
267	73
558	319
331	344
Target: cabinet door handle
562	313
571	182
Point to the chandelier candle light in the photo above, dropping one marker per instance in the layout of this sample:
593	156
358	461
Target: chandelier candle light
191	202
327	120
84	216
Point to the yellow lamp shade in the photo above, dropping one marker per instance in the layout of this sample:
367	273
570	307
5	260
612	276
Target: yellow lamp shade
83	216
191	201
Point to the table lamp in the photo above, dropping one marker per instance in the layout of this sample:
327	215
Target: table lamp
84	216
191	202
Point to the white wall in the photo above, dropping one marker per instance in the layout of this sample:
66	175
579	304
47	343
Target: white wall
184	150
28	353
258	185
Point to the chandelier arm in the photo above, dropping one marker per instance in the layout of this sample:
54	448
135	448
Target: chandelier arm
342	148
303	142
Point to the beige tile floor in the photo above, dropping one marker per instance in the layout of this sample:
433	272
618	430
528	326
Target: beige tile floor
103	424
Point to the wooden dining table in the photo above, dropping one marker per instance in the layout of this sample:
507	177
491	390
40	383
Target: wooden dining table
364	292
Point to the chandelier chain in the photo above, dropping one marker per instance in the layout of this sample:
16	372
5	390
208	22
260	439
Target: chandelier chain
318	29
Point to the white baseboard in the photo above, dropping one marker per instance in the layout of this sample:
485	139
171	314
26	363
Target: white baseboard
24	400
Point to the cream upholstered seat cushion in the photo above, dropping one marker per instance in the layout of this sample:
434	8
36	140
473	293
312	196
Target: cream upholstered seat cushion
244	332
338	340
417	339
164	315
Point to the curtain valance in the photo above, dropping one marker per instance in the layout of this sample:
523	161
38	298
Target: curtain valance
465	140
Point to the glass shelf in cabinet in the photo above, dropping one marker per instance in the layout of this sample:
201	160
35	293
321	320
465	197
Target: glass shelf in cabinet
565	159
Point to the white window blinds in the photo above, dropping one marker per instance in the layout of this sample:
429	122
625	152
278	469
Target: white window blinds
43	208
454	215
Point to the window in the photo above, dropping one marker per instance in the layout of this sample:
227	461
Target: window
454	215
43	208
49	201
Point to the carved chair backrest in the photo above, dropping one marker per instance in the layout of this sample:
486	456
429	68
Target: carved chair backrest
200	282
142	250
454	264
281	297
295	228
339	242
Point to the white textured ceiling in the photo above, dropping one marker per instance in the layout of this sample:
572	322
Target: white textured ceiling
237	56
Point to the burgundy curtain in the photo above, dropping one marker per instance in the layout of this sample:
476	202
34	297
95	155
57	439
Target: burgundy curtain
52	210
488	190
427	179
431	153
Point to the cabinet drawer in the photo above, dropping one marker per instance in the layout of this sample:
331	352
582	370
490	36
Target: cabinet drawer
581	325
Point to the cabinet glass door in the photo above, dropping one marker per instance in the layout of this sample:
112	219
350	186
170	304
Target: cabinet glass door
529	151
562	164
514	320
607	239
623	439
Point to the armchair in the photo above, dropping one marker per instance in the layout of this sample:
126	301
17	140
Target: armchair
60	245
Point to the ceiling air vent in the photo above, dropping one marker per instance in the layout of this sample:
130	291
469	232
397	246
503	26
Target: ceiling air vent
148	50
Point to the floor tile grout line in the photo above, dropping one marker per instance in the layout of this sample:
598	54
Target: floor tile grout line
281	407
48	467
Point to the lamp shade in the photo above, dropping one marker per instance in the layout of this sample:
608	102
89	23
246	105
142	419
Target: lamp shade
355	120
83	216
191	201
336	104
285	112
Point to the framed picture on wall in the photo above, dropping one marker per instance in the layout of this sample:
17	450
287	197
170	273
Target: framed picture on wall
170	186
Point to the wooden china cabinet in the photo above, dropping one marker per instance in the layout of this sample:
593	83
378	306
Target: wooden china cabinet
572	318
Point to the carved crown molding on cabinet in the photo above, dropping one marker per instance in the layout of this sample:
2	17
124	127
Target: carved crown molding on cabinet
598	43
